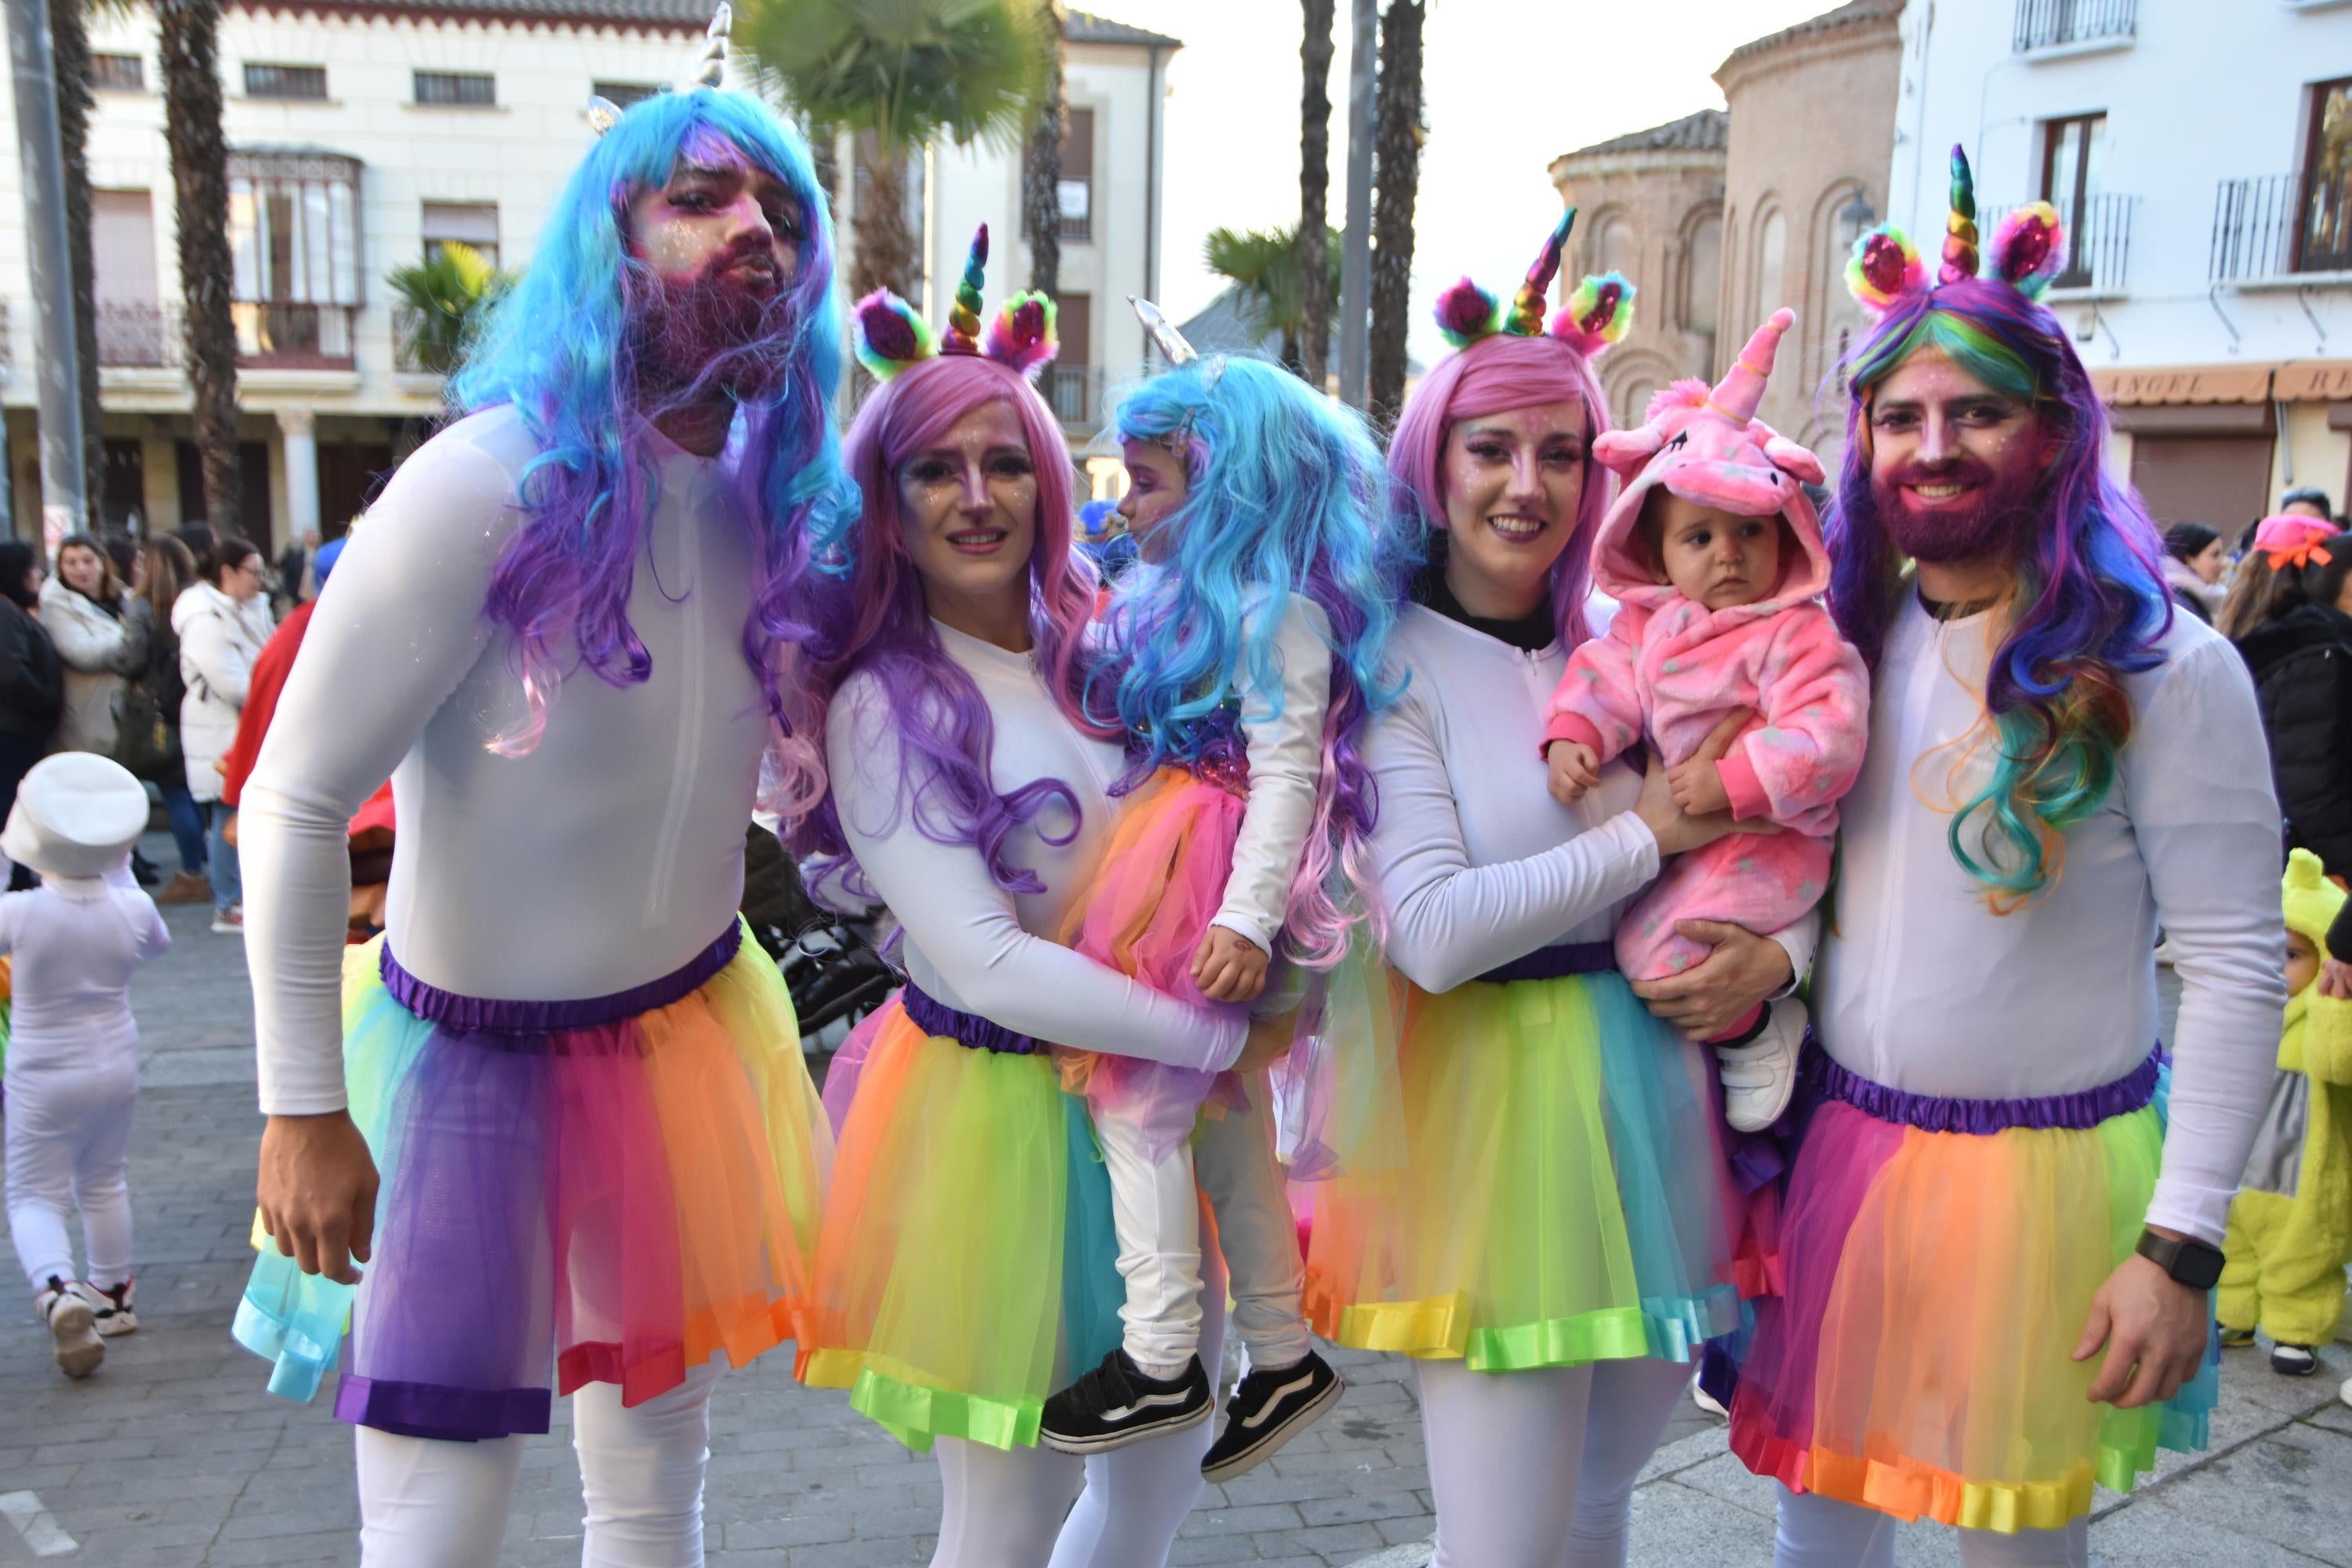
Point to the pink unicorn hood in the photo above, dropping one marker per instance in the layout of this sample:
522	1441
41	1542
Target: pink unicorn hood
1706	446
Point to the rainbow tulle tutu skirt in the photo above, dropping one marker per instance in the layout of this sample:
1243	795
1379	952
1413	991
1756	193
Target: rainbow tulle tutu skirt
617	1189
1938	1257
1559	1195
966	1267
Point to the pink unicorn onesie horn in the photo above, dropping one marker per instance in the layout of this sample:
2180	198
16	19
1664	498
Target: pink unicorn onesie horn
1715	553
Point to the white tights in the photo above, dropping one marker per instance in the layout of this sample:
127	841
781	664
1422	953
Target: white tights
1517	1484
68	1147
1006	1508
429	1504
1815	1532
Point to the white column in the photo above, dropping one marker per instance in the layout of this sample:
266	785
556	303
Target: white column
301	471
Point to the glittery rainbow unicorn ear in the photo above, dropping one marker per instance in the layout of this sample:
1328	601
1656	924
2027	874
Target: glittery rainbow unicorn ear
1597	316
1466	312
963	336
2029	250
1022	334
890	336
1885	269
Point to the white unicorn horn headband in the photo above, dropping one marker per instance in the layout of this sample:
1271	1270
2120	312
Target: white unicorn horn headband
709	70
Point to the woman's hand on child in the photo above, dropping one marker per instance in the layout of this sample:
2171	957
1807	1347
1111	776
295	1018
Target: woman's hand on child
1574	768
1677	830
1269	1041
317	1193
1698	787
2336	979
1228	966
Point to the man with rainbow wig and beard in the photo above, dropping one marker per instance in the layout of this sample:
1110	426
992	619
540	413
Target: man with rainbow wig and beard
557	1118
2003	1220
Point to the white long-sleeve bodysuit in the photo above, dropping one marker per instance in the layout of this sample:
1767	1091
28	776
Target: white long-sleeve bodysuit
1924	988
73	1068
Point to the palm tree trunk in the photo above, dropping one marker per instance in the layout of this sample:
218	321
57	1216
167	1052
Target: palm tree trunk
1314	189
188	31
1396	145
826	166
69	44
885	245
1041	167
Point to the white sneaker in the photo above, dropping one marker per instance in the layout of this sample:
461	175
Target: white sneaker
115	1309
1761	1077
229	921
73	1328
2345	1393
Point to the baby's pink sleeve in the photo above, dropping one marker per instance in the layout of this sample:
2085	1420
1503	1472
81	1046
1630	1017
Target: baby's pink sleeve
1597	702
1814	699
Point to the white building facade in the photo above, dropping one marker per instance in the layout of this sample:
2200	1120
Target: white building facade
364	135
2201	156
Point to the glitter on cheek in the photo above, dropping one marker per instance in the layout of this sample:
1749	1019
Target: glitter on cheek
674	246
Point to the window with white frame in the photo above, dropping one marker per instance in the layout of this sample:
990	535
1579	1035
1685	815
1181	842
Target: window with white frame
455	89
461	223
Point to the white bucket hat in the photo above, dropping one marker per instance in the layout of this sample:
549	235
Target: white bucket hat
76	815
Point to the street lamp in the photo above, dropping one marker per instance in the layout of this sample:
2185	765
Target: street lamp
1854	218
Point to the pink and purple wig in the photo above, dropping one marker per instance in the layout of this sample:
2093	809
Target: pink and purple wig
866	613
559	349
1492	374
2088	605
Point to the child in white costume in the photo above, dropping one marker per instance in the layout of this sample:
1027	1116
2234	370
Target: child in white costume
73	1051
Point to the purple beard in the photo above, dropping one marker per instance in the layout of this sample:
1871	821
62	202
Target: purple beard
709	330
2003	511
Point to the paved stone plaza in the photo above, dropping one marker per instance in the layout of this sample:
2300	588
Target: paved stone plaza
173	1457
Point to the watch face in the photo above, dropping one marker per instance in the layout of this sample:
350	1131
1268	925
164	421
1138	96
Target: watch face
2197	1266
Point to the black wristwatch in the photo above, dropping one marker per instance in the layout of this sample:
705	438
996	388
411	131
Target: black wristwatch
2196	1264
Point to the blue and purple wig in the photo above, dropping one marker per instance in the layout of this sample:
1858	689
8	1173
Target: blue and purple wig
1284	495
865	616
2087	605
1494	373
558	348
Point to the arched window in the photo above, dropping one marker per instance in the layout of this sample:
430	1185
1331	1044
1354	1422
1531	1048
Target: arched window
1616	249
1703	275
1771	265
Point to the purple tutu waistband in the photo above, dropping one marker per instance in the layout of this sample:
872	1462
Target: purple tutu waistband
1553	963
2078	1112
497	1015
933	1016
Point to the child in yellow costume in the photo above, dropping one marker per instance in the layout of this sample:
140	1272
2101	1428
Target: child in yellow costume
2291	1228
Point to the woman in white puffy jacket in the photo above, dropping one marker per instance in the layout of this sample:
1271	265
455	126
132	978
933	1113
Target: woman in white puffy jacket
222	621
81	609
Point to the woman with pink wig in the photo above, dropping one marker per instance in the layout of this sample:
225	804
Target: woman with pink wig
1553	1245
966	1262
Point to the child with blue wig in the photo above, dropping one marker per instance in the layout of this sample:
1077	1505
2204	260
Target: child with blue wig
1243	654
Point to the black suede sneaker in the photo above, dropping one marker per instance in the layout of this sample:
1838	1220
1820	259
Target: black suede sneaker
1266	1410
2293	1361
1116	1405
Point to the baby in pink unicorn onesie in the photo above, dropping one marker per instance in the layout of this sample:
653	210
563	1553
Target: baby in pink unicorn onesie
1714	553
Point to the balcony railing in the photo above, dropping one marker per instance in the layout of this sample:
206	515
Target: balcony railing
2099	241
138	337
2270	226
2049	24
1076	396
288	335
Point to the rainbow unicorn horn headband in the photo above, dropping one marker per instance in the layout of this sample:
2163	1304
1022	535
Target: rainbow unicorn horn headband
892	337
2029	251
709	68
1597	315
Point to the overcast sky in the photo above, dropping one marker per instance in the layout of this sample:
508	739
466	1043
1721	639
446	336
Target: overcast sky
1503	99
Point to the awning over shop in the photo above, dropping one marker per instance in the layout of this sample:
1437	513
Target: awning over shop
2175	386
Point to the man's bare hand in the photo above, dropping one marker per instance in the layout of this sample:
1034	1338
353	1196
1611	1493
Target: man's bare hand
317	1191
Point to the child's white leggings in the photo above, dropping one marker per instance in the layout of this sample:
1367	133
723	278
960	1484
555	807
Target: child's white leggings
1816	1532
69	1145
1156	1210
1518	1484
430	1504
1015	1508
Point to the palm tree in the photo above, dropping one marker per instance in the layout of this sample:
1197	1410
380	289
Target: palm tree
1396	151
1314	186
1041	168
902	75
69	45
446	296
1263	266
189	30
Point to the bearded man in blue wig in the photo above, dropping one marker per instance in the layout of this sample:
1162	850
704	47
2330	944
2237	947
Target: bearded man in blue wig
558	1116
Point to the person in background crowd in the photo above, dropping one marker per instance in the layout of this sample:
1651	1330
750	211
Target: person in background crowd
32	681
148	736
2193	563
271	669
2307	501
73	1064
297	581
222	623
2260	593
82	610
2302	663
